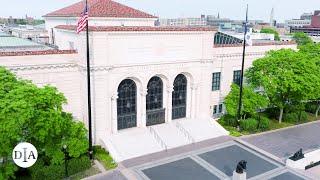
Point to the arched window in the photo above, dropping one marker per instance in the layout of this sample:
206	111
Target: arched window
127	104
154	101
179	97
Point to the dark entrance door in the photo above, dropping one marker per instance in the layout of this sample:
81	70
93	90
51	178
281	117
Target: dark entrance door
179	97
127	104
155	110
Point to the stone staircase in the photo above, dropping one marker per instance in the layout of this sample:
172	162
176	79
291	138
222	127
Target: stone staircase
136	142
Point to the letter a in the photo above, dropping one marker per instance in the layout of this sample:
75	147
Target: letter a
31	154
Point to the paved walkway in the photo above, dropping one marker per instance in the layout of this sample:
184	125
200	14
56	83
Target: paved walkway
285	142
280	144
123	170
175	151
114	175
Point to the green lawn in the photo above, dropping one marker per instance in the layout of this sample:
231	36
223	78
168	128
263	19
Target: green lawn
274	124
104	158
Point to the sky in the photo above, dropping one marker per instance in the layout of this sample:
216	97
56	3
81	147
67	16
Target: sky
233	9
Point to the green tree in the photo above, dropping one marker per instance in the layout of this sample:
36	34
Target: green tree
286	76
312	51
271	31
302	39
251	101
33	114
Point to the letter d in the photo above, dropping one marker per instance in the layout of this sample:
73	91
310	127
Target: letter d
19	153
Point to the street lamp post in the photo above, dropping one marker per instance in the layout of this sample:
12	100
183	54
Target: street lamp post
64	149
242	68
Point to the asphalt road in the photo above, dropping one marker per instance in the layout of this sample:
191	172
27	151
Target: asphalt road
284	143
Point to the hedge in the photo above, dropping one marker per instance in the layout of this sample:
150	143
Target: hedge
295	117
229	120
55	172
264	123
249	125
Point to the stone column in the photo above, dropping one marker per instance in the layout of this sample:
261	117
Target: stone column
169	104
143	108
114	120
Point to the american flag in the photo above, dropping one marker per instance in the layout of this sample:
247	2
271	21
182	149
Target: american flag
82	22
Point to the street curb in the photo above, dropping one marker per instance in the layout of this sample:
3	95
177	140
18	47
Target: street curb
99	166
100	174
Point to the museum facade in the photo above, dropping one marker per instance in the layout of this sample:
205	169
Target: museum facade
153	88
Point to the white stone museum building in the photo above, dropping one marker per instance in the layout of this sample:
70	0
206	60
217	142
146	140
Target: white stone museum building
153	88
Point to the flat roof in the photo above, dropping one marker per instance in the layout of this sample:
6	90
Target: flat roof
3	34
137	28
11	43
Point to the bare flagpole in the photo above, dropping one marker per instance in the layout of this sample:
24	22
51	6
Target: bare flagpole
242	67
89	87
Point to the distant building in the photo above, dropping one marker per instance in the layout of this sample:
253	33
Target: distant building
231	37
313	29
297	23
306	16
34	33
305	20
193	21
217	21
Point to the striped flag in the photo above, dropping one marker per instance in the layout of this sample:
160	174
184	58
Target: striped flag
82	22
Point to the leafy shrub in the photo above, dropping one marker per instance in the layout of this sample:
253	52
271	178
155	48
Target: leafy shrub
228	120
80	164
303	116
295	117
311	107
249	125
291	117
53	172
40	171
264	123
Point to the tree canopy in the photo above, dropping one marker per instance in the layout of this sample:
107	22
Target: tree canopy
302	38
33	114
252	101
286	76
271	31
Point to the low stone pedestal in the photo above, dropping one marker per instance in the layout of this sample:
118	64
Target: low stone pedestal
237	176
308	160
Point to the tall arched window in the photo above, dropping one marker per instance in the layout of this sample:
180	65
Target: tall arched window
179	97
127	104
154	101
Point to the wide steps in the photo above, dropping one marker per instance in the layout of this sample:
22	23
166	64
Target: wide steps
135	142
132	143
171	135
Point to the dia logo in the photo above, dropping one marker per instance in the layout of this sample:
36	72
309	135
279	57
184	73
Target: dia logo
24	155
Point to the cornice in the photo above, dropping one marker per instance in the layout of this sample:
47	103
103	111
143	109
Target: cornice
42	67
239	55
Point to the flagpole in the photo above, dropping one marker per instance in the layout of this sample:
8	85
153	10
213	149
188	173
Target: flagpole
89	87
242	68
